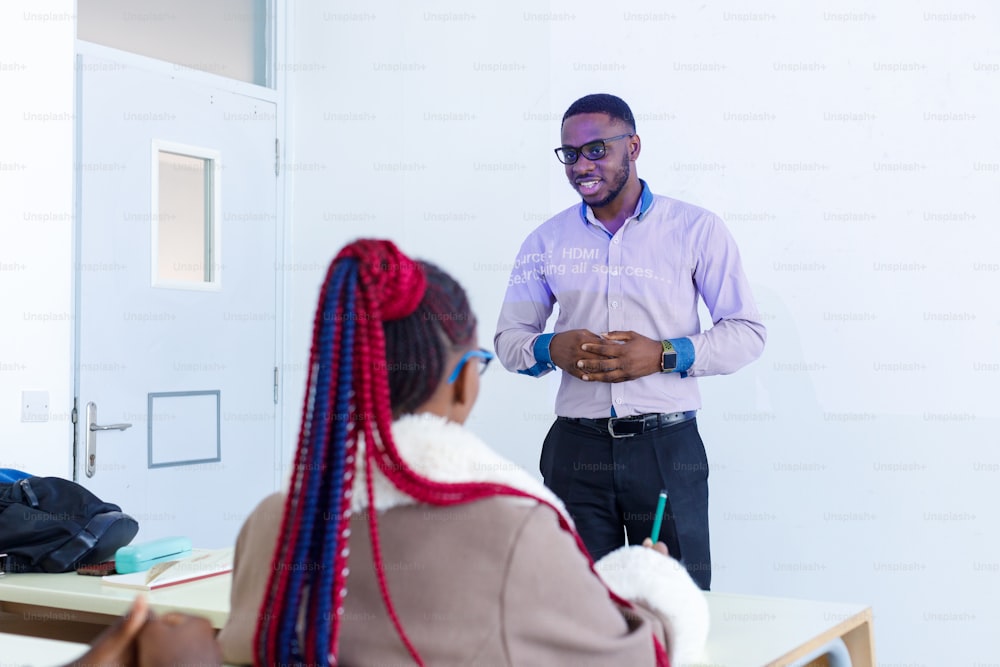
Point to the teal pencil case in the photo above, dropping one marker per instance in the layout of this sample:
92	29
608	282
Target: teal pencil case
141	557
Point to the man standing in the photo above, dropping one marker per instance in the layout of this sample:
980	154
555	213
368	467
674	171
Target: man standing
627	268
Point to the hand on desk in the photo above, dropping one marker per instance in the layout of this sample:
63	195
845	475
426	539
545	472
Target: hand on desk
141	638
177	638
116	645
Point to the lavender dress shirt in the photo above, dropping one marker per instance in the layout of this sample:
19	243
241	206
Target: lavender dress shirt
646	278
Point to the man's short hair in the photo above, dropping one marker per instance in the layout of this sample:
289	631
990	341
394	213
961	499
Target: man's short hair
602	103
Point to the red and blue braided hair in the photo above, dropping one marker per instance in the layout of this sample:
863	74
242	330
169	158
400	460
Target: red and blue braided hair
382	332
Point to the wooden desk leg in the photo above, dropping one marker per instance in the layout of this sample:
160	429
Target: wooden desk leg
860	643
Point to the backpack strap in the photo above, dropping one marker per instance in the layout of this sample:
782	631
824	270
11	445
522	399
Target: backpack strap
24	494
73	550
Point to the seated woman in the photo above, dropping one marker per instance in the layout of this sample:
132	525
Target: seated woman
403	538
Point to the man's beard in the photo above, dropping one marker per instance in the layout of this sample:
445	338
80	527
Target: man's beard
622	173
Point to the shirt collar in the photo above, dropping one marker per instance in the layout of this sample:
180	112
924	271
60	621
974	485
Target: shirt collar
641	208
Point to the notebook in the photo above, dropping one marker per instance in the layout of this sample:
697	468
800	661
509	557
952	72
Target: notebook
201	563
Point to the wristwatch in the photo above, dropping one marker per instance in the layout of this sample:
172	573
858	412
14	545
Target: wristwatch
668	362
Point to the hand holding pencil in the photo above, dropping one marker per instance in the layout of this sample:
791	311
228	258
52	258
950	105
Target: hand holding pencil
653	542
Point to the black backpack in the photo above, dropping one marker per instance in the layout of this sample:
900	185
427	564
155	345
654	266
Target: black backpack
48	524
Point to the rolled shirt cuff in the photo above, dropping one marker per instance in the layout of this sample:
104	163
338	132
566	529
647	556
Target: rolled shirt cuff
685	354
543	359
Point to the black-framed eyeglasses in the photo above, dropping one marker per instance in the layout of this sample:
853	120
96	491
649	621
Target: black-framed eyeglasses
592	150
484	356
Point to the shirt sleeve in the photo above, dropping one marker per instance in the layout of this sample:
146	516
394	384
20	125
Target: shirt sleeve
520	341
556	611
737	335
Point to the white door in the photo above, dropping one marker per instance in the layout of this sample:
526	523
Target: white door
176	324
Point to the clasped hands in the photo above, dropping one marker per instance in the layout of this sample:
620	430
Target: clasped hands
616	357
149	640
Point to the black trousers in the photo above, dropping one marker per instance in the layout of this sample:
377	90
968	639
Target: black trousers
611	486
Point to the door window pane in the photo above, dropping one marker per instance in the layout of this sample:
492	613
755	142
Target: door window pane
184	226
224	37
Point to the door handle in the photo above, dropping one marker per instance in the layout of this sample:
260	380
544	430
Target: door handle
90	465
110	427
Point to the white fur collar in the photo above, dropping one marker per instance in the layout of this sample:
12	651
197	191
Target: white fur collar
444	452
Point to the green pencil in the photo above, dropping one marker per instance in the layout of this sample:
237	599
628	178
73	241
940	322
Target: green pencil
658	519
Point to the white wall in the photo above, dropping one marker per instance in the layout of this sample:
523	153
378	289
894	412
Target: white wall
36	204
853	151
409	125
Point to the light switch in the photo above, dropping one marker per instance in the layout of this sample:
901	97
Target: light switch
34	406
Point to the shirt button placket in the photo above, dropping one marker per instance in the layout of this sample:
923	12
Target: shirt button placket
616	318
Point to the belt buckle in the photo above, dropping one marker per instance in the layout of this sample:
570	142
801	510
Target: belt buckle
611	428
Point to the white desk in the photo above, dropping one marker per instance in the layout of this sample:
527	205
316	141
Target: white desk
74	597
16	650
746	630
755	631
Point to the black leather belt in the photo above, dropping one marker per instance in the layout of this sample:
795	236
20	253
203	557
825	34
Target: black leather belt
626	427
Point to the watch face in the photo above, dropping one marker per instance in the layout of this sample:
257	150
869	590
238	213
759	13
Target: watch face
669	361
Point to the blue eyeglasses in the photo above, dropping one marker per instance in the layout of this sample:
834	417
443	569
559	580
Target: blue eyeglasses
484	356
